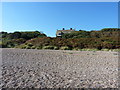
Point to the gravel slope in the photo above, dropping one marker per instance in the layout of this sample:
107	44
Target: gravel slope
55	68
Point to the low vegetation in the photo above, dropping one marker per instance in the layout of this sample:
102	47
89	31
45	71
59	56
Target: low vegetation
11	40
105	39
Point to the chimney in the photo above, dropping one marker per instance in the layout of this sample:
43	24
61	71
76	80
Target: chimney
70	28
63	28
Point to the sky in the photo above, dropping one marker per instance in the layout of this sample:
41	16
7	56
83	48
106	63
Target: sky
50	16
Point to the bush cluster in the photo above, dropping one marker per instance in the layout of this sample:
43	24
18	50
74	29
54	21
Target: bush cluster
11	40
75	44
79	40
106	32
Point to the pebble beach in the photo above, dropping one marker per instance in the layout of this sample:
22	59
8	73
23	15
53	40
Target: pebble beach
23	68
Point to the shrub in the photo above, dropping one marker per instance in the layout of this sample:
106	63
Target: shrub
48	47
29	44
116	50
76	49
28	47
65	48
33	47
89	49
22	46
39	47
56	48
105	49
3	45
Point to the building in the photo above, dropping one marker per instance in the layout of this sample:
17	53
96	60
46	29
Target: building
59	33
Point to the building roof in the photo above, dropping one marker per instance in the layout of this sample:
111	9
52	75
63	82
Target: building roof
66	30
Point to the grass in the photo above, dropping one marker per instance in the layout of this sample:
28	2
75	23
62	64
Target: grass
65	48
30	46
116	50
105	49
89	50
50	47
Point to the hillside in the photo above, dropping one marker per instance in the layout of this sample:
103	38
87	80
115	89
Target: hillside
107	38
106	32
10	40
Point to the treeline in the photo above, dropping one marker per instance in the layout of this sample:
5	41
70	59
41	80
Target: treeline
24	35
104	39
107	32
9	40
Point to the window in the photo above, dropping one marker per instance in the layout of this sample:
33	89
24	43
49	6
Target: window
59	33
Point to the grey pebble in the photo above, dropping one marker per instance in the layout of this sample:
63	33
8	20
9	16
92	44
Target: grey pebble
57	68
